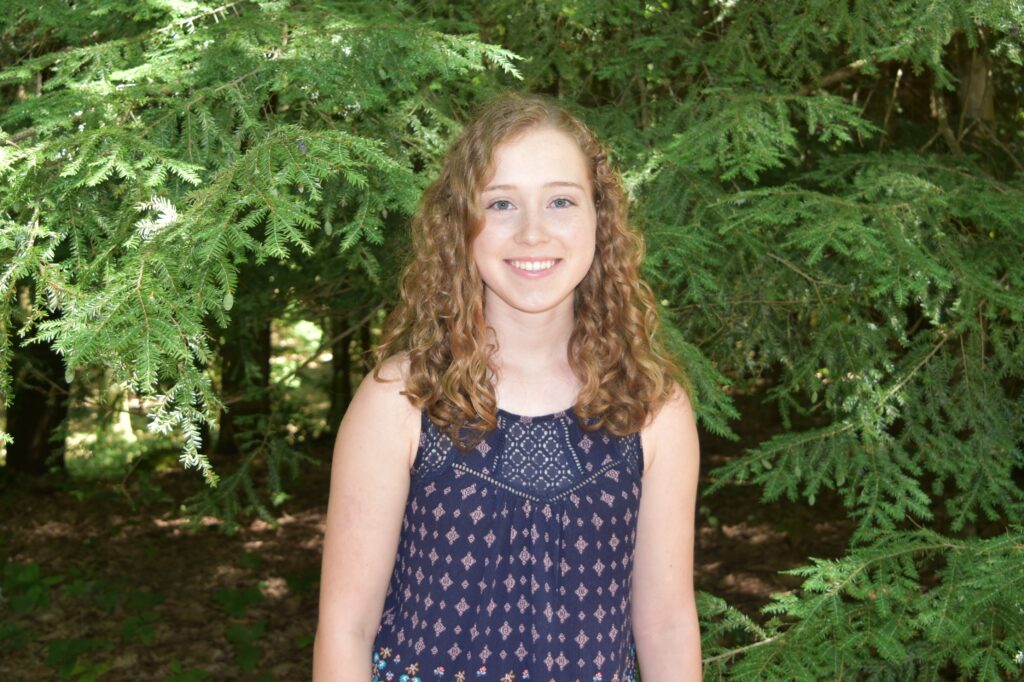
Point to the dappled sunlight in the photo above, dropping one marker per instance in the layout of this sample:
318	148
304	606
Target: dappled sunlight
754	534
52	530
173	590
274	588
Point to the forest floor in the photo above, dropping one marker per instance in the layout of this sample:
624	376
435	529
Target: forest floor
94	589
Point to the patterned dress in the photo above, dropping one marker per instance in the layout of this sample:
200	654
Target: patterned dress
515	559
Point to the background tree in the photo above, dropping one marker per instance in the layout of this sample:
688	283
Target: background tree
164	149
831	195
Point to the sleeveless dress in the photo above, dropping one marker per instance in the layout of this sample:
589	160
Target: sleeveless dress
515	559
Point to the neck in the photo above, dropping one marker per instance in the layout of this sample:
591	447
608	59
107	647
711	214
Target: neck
531	344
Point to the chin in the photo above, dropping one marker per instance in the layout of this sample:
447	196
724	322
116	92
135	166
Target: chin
534	307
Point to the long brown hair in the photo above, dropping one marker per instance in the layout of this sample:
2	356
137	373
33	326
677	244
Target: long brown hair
439	322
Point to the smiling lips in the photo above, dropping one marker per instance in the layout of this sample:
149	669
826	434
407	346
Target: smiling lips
532	266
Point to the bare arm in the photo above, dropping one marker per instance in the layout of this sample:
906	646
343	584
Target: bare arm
369	486
665	625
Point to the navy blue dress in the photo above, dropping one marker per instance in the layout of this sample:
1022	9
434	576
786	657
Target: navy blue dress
515	559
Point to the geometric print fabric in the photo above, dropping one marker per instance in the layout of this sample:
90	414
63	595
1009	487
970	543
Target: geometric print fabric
515	559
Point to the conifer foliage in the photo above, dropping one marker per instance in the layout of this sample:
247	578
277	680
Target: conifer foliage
166	143
831	194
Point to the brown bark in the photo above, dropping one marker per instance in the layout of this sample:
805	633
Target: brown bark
37	413
245	377
341	370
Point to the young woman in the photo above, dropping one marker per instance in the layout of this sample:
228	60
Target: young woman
486	520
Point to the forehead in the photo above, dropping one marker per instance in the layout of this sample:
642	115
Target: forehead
538	156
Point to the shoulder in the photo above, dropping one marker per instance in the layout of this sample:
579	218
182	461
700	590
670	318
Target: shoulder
394	369
382	387
380	407
671	428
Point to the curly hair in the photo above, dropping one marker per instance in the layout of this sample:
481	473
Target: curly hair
614	349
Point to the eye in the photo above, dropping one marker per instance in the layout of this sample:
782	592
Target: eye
501	204
563	202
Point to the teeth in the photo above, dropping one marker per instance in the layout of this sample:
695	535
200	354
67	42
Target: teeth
532	266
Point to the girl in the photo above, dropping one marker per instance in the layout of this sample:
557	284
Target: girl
486	520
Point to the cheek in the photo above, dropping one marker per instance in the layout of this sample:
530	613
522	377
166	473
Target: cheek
591	254
482	250
479	243
588	243
587	238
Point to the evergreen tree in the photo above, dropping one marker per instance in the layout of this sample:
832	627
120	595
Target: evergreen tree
831	195
150	150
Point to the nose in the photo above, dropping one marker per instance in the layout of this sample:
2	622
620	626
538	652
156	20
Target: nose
532	228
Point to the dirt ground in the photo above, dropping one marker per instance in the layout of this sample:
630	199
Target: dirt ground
144	597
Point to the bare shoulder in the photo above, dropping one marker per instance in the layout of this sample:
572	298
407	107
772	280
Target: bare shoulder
378	406
672	428
387	390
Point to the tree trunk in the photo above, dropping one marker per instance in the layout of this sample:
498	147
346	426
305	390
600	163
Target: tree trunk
245	377
341	370
366	343
38	410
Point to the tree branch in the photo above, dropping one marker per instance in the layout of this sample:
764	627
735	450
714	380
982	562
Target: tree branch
320	349
848	71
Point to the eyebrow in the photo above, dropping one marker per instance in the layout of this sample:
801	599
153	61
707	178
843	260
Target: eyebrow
557	183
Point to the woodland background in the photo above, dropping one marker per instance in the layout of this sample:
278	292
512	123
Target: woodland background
204	207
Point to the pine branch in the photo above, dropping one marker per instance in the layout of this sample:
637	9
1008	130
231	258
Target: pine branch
850	70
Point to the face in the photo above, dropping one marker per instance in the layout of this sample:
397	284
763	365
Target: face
539	226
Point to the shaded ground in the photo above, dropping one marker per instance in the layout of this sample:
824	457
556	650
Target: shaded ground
149	591
103	592
742	542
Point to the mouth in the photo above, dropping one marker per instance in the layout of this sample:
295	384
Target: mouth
534	265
